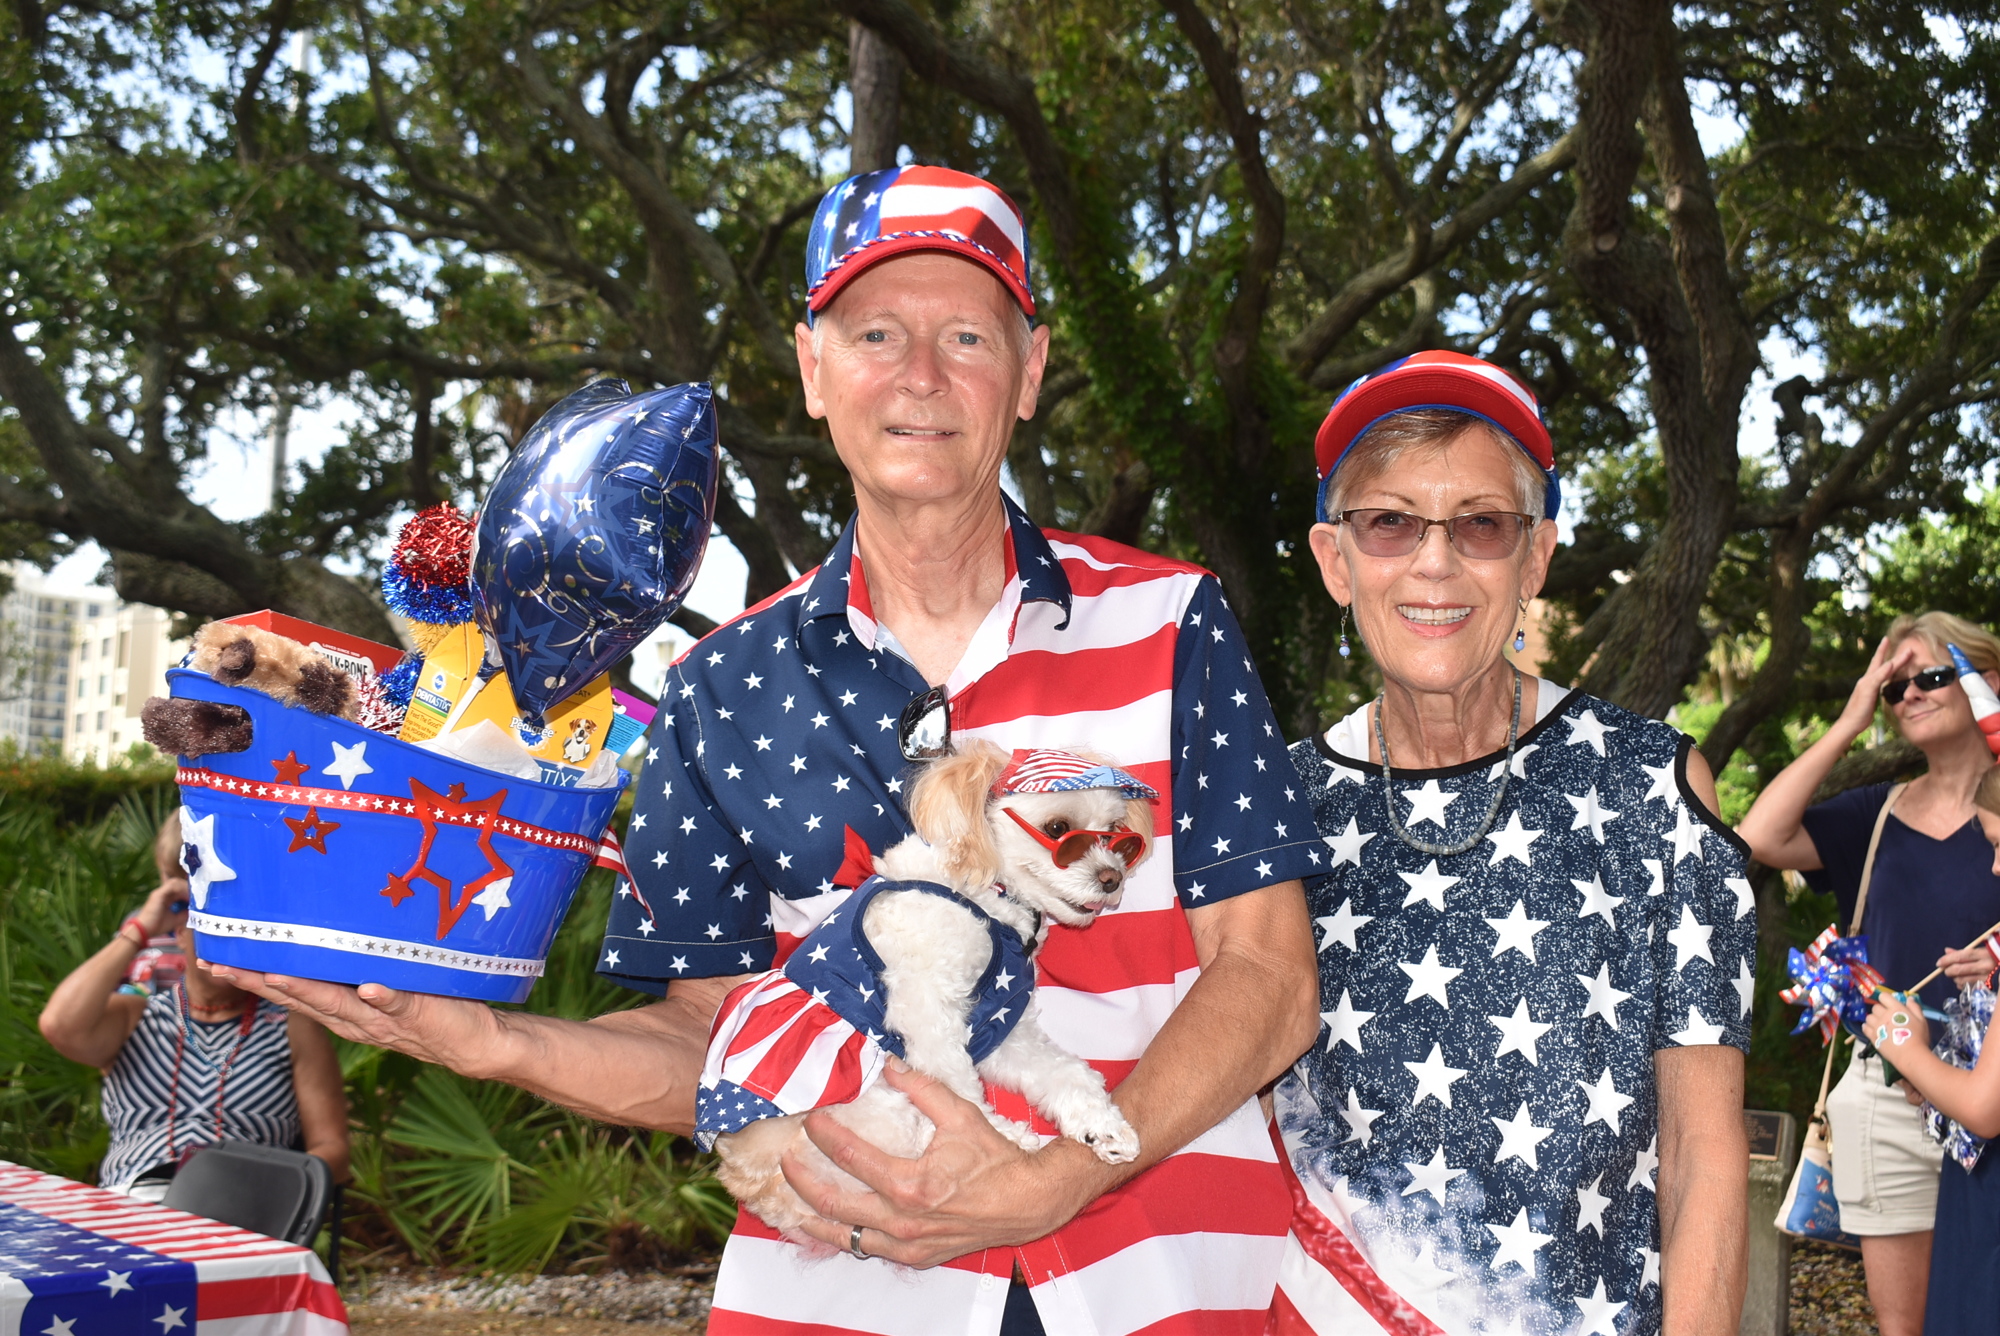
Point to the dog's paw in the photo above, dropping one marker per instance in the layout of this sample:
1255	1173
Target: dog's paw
1110	1138
1020	1134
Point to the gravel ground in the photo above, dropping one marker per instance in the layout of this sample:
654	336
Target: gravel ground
1829	1294
413	1300
1829	1298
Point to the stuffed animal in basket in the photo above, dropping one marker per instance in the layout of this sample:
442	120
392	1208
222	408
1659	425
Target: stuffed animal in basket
931	959
244	656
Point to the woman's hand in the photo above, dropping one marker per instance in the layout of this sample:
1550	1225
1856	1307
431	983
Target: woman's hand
166	908
1897	1027
1859	712
1975	964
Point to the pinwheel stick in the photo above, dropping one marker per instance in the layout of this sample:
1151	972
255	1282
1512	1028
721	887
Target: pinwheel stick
1940	969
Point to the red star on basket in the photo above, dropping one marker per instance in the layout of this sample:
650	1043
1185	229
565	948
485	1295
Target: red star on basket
290	769
309	831
456	809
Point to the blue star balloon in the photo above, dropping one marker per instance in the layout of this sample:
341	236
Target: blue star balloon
592	533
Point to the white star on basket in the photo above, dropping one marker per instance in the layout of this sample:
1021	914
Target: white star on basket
494	898
349	763
198	839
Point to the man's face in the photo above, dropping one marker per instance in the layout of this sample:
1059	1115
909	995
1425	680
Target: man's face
920	375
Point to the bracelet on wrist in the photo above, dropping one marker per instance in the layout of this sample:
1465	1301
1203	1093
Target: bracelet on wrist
139	943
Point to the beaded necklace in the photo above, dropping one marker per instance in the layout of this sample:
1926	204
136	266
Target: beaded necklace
181	1010
1492	808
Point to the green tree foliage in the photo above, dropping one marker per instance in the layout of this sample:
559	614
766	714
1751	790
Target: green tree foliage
1236	209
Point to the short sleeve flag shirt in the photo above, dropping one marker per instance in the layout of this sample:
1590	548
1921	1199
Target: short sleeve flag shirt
775	754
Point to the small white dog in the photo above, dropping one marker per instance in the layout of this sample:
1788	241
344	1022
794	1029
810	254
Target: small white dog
1004	846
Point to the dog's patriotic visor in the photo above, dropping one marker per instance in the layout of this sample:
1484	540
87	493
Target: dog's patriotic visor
1045	770
875	215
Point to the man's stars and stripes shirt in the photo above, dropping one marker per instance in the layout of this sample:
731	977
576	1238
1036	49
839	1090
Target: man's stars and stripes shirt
776	737
1474	1137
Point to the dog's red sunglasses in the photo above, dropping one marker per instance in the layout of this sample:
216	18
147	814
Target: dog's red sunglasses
1127	845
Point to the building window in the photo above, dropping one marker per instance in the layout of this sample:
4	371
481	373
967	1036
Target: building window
83	650
124	646
104	651
79	723
92	610
103	684
82	685
118	699
100	721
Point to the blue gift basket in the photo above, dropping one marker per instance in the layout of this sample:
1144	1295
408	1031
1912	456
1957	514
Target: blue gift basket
330	851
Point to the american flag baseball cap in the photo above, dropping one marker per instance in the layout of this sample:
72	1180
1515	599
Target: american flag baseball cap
1046	770
875	215
1439	379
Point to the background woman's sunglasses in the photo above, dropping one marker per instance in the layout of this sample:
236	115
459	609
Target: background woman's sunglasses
1483	535
1930	679
1126	845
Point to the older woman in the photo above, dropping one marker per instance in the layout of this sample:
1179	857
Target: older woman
1535	953
1933	889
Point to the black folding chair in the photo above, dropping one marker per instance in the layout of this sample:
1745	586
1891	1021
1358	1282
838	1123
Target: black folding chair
282	1193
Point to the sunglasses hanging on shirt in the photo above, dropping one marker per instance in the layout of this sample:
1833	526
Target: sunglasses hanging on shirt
1930	679
924	731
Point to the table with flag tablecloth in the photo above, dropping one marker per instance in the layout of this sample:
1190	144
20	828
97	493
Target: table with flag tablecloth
82	1261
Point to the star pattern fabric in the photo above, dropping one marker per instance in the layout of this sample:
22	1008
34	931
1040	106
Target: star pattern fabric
1480	1112
86	1261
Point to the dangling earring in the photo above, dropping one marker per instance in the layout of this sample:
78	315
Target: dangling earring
1345	652
1520	631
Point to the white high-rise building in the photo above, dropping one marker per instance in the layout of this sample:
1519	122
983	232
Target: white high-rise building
120	657
37	636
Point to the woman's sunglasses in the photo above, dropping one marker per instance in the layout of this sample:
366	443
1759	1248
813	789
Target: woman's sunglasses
1128	846
1483	535
1930	679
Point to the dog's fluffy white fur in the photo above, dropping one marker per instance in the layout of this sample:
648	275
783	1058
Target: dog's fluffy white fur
933	952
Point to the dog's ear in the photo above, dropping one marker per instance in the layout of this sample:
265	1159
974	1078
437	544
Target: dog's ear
948	808
1139	819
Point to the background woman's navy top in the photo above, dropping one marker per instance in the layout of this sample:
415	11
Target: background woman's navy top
1929	896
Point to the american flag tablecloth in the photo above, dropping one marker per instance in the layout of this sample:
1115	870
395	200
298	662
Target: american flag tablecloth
82	1261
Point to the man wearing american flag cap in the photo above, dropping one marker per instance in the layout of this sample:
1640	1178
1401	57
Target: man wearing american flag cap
776	769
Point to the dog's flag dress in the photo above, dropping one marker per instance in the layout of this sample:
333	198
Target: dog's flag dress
812	1033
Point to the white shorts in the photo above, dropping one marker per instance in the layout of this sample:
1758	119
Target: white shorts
1885	1169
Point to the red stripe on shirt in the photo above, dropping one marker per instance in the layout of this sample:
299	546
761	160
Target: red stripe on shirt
1118	951
1179	1195
1095	680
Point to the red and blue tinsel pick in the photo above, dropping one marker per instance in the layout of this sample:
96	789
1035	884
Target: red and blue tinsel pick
428	578
1834	982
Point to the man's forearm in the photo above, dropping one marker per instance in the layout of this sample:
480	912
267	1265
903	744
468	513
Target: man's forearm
635	1068
1247	1018
1703	1189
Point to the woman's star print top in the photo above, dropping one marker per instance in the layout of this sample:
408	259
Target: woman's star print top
1474	1134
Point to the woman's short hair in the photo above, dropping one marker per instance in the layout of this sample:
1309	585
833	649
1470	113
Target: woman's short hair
1428	430
1939	629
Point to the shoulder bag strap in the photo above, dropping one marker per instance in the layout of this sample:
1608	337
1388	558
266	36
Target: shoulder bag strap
1868	864
1860	906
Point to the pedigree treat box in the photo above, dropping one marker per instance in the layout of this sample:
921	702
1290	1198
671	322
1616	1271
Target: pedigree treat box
577	727
330	851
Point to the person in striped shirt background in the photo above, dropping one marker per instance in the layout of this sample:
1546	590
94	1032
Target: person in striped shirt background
777	764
